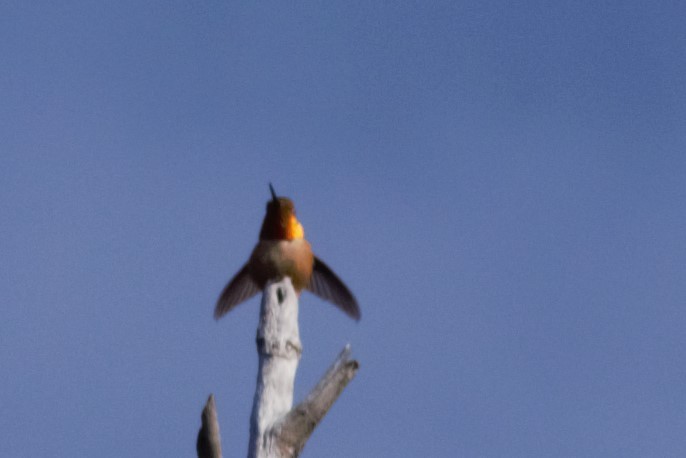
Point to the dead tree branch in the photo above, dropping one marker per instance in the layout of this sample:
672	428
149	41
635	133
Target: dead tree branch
278	430
209	444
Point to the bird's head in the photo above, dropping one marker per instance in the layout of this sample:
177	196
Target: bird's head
280	222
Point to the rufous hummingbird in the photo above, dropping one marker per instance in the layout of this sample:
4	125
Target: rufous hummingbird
283	251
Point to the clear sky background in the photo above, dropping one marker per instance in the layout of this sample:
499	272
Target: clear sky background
502	185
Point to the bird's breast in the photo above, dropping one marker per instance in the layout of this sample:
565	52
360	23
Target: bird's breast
274	259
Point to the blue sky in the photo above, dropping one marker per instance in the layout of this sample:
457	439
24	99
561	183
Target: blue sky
501	185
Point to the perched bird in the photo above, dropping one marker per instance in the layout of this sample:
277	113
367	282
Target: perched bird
283	251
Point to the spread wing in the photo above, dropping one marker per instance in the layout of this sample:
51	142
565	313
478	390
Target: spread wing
240	288
326	284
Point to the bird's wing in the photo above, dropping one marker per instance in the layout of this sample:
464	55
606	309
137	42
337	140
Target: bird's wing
240	288
326	284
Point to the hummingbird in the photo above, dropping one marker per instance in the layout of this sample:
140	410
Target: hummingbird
283	251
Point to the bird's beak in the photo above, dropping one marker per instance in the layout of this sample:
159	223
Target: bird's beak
274	198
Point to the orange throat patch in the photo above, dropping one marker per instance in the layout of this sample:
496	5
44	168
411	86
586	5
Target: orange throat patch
294	230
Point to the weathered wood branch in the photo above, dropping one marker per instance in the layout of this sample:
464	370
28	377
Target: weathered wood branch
279	349
297	426
276	429
209	444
